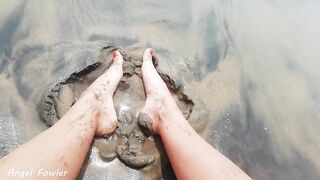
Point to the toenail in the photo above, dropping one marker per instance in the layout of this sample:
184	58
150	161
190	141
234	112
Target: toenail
151	52
114	54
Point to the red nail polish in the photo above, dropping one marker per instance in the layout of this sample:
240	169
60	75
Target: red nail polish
114	54
151	52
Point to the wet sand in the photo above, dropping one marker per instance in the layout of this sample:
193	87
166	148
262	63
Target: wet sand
254	65
133	142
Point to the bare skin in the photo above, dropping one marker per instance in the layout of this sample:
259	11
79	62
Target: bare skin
66	144
190	155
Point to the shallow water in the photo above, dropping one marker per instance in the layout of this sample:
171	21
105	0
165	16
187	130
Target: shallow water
255	65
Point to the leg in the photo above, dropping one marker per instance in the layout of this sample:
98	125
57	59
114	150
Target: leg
190	155
65	145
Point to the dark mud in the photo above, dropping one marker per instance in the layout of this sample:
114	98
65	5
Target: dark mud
132	142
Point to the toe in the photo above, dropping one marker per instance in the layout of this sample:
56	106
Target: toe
117	57
147	55
151	78
110	79
149	74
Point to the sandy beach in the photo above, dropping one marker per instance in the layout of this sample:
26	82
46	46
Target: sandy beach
254	65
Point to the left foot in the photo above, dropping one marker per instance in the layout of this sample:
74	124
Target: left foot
102	89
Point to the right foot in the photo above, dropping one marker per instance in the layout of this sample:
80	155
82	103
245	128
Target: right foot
157	94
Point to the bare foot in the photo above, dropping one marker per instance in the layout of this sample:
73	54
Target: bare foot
100	94
158	95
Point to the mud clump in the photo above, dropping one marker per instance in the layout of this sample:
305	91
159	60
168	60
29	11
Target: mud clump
131	142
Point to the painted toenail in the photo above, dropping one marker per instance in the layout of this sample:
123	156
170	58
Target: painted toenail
151	52
114	54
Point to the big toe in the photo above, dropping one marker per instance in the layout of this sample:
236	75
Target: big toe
117	57
147	55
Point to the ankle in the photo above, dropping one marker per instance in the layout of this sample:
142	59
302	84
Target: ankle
169	113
